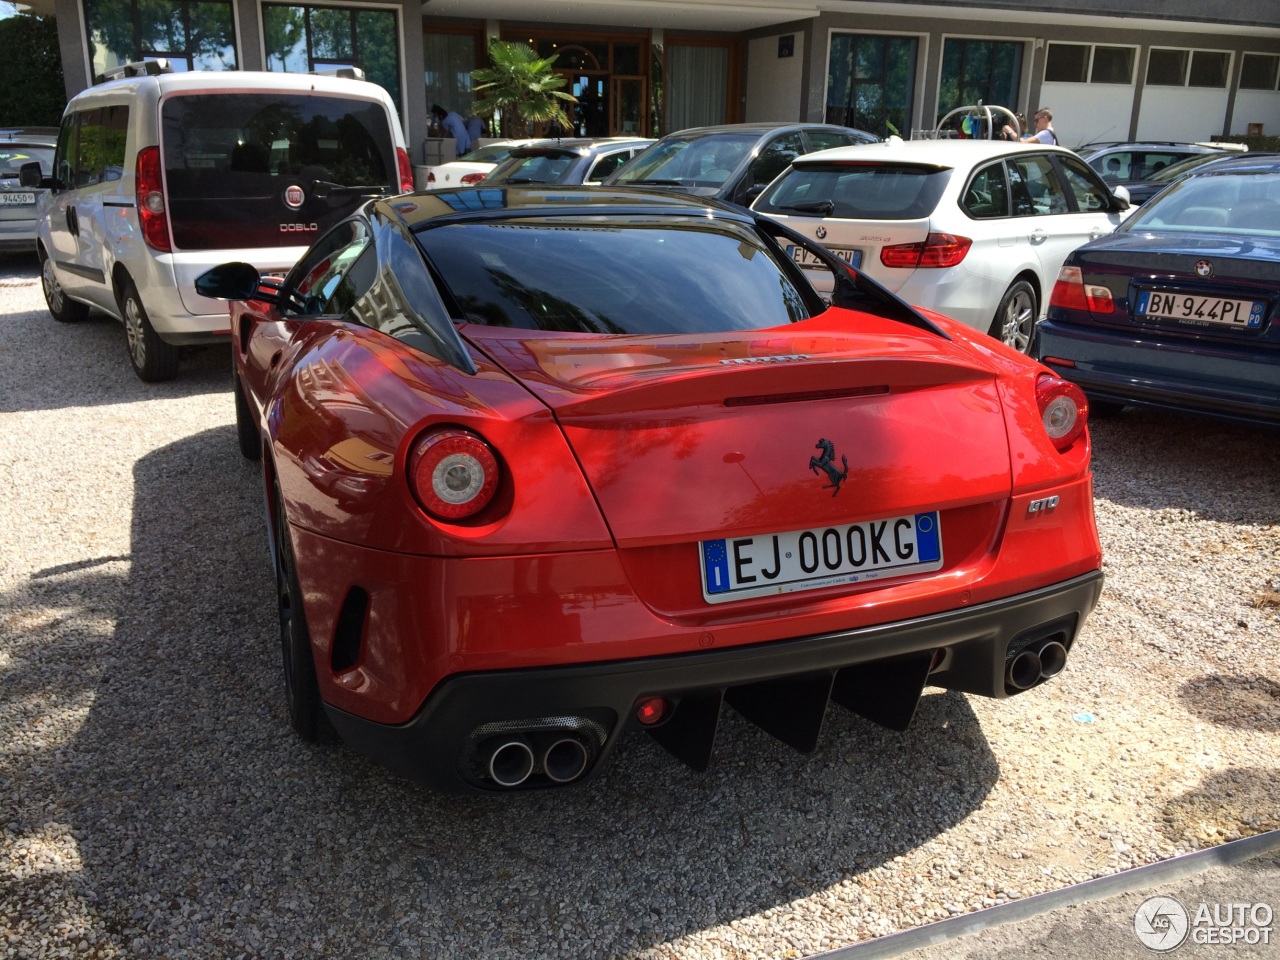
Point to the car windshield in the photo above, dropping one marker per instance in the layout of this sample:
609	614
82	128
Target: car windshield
857	191
13	156
706	161
489	153
1175	170
638	275
546	167
1246	202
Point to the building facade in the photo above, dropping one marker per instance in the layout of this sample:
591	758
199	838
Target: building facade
1110	69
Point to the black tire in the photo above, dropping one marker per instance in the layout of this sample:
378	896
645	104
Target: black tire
1015	319
301	689
61	307
246	431
153	360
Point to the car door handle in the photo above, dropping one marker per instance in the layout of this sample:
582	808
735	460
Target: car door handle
1038	235
275	358
1095	233
73	221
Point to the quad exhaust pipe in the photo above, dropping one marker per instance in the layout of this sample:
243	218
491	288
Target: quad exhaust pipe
1035	663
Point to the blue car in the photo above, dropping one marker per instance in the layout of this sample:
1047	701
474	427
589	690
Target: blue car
1177	307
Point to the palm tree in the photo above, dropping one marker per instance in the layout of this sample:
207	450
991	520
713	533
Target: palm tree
521	87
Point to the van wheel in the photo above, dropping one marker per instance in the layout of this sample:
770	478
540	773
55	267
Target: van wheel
61	307
1015	319
153	359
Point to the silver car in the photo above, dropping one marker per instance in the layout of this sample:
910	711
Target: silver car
18	204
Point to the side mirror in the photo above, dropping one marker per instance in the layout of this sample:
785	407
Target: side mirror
1121	193
231	281
29	175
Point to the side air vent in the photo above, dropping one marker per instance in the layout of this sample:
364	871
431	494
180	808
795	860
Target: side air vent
349	634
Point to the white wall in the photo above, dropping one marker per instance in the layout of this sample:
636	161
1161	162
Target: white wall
773	82
1182	113
1256	106
1087	112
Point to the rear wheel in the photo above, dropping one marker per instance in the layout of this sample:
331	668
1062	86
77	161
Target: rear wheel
301	689
153	359
61	307
1015	319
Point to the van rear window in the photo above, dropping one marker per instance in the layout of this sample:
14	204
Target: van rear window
271	169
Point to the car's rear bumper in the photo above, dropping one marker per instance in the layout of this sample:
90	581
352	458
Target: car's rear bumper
1221	380
784	686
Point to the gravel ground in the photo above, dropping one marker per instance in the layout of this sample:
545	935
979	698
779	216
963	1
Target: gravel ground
155	805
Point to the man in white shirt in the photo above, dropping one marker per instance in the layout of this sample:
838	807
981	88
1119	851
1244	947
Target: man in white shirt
1043	132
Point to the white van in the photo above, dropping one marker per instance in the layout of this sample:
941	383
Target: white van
159	176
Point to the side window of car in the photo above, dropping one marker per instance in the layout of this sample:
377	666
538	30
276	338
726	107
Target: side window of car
115	131
1114	167
825	139
1040	187
64	159
606	165
773	159
89	163
1090	195
323	282
988	193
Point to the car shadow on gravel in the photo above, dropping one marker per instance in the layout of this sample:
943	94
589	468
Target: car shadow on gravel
204	829
50	365
1153	459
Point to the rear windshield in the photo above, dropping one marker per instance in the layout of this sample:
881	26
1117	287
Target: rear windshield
230	159
13	156
860	191
532	168
704	161
597	276
1245	203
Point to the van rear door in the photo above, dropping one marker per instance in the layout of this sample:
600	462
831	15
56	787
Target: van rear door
252	170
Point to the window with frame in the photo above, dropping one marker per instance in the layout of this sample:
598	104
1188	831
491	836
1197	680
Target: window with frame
989	71
1259	71
1088	63
987	195
1188	68
448	59
871	82
300	39
1035	186
191	34
1090	195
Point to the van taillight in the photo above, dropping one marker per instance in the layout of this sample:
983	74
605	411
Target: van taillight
152	215
406	170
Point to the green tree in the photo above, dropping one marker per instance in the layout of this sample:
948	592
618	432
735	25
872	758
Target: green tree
521	88
32	92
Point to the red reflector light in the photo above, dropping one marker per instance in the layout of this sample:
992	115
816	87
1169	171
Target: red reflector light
1064	411
453	473
938	250
471	178
149	187
652	710
406	170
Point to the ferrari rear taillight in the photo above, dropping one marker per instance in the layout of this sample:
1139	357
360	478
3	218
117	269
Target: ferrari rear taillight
938	250
471	178
152	215
1064	411
1072	293
453	473
406	170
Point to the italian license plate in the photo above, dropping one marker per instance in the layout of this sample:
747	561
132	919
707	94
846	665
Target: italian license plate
739	567
16	199
808	261
1190	308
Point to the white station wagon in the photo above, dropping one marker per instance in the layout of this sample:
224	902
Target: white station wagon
974	229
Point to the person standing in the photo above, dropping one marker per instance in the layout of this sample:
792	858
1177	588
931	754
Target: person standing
453	126
1043	132
475	128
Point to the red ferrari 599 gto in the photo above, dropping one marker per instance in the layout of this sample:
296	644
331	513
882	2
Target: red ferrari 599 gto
544	466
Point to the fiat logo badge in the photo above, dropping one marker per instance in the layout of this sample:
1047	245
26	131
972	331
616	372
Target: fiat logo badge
294	196
822	233
1204	268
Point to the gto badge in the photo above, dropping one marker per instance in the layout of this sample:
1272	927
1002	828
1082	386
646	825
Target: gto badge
1043	505
294	196
821	233
1204	268
827	464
